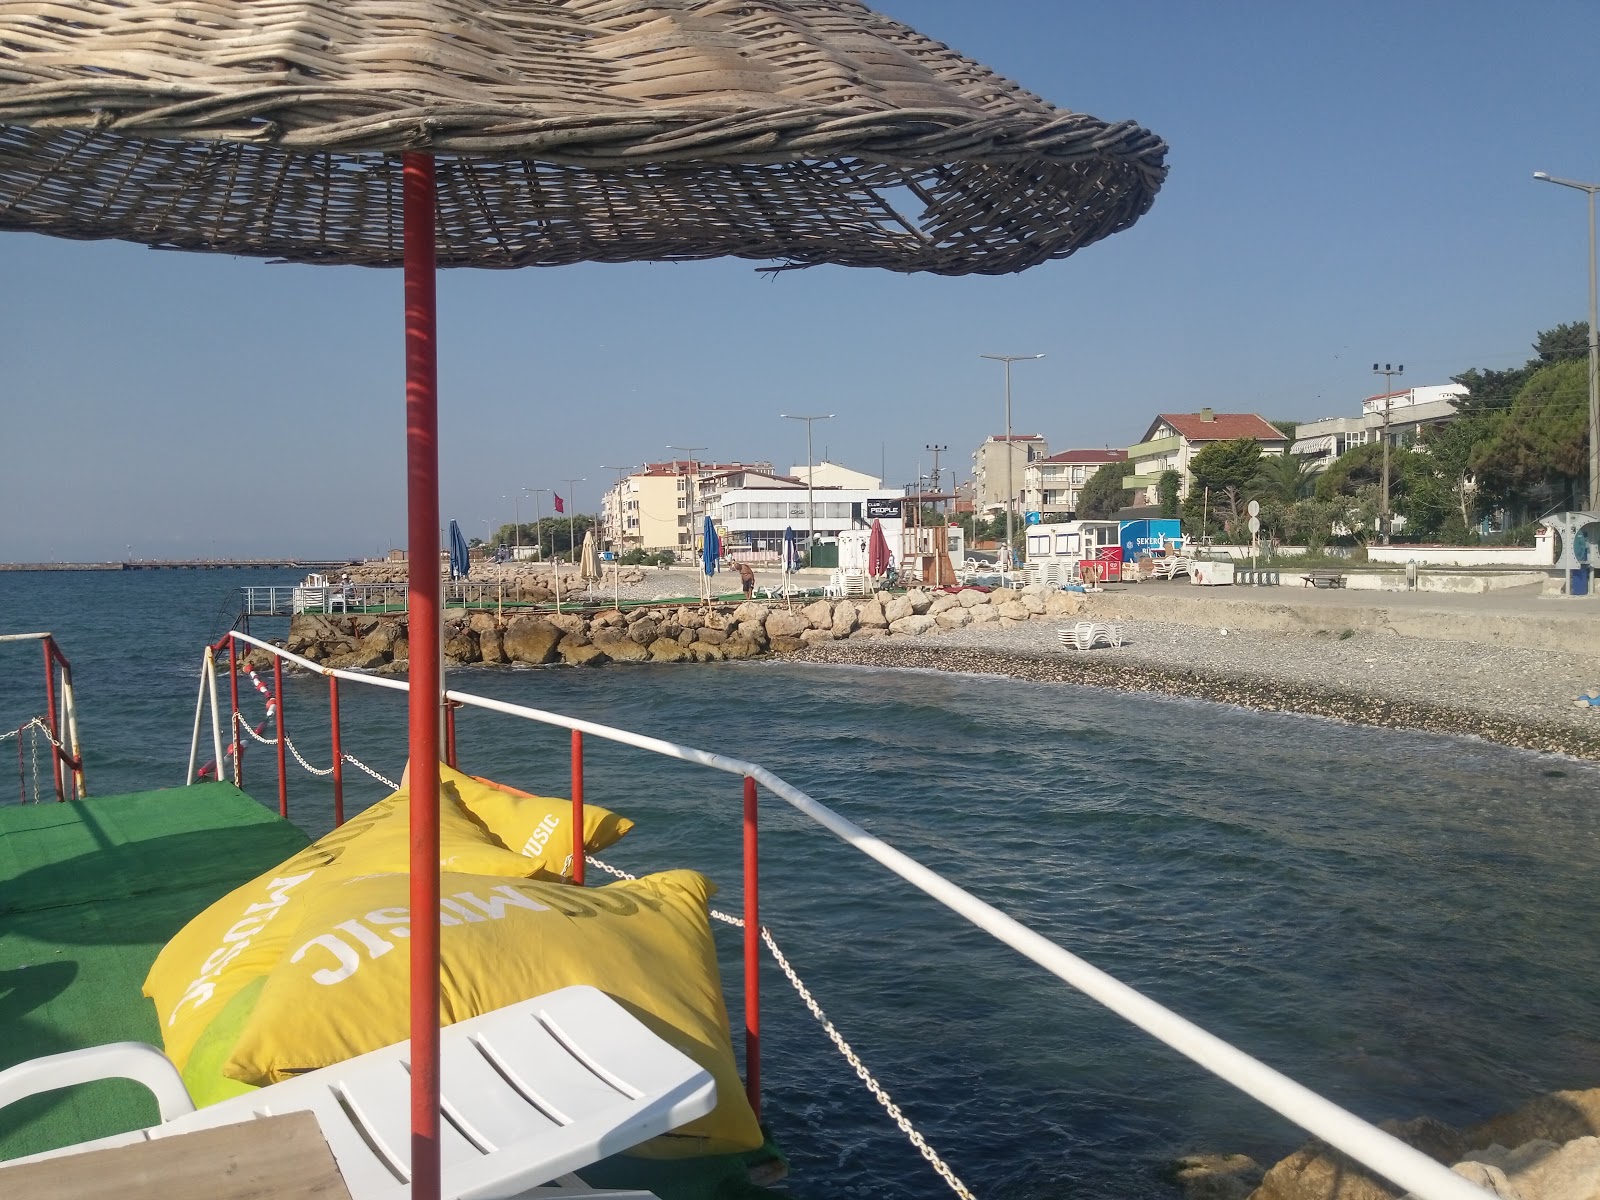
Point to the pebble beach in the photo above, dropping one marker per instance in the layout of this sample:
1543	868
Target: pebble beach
1521	695
1513	696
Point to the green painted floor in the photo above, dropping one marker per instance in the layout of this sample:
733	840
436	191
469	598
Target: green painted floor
89	893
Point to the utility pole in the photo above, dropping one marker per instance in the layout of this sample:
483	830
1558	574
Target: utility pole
621	539
934	478
693	480
1008	359
538	520
572	517
1594	343
811	502
1388	372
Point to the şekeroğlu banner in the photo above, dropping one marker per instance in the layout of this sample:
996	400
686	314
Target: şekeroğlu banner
1146	537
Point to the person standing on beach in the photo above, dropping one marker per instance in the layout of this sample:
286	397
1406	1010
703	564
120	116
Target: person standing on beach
747	579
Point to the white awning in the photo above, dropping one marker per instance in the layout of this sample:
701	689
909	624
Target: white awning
1314	445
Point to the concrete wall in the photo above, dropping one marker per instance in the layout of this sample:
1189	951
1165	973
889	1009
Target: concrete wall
1541	555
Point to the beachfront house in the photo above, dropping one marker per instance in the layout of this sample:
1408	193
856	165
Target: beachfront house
989	466
1173	440
752	518
1410	413
1051	485
657	508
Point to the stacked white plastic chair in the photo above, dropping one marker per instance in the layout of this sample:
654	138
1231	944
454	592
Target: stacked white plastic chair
1086	635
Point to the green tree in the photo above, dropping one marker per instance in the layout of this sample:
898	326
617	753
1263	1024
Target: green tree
1104	494
1167	487
1219	478
1538	456
1494	391
1286	428
1284	478
1451	447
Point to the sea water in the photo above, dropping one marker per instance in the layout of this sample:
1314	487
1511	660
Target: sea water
1403	922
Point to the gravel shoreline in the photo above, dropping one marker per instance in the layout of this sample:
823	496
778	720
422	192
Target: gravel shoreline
1512	696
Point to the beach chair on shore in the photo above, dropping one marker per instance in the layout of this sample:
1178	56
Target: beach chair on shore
547	1086
1086	635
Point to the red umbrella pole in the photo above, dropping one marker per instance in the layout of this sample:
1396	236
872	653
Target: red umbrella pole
422	576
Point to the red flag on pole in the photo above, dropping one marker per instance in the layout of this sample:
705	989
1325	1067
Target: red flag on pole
560	507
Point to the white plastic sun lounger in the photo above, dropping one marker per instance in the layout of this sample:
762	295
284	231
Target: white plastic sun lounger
1086	635
529	1094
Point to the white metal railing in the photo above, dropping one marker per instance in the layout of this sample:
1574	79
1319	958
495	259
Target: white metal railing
1366	1143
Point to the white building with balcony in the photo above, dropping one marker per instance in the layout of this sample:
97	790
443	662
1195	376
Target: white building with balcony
1410	412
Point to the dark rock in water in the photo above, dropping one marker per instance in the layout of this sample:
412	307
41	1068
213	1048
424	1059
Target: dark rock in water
578	651
459	645
620	647
1217	1176
531	640
1557	1117
490	649
665	649
356	660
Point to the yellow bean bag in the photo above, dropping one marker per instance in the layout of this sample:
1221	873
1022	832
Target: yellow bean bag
539	827
243	934
340	988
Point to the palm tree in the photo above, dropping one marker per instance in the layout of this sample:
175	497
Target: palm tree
1285	478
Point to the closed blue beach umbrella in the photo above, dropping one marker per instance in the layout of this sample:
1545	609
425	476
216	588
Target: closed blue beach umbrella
460	560
710	547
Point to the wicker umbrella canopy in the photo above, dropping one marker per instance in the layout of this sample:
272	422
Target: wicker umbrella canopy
794	131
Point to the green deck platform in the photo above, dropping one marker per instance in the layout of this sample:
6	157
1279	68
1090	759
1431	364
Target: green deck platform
89	893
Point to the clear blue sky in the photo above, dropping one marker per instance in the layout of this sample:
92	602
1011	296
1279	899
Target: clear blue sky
1348	183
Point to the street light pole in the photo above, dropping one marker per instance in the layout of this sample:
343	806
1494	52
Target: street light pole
694	488
516	529
622	530
1594	344
572	517
1388	372
811	495
538	520
1008	359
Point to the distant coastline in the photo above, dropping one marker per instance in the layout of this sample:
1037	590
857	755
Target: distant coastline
185	564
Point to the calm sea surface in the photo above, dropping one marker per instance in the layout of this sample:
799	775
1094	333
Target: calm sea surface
1402	922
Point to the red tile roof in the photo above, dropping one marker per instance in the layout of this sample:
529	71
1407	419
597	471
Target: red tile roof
1222	427
1087	456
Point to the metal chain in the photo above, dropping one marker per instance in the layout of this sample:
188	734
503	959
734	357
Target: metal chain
34	740
299	758
850	1056
38	725
289	744
866	1077
245	725
356	762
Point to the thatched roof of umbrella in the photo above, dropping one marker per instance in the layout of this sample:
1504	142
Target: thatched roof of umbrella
796	131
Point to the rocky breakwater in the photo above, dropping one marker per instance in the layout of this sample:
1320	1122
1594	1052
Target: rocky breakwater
663	633
1545	1150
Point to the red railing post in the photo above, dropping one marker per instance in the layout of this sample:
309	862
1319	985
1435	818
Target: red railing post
338	752
283	739
52	718
450	734
233	695
752	952
579	842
